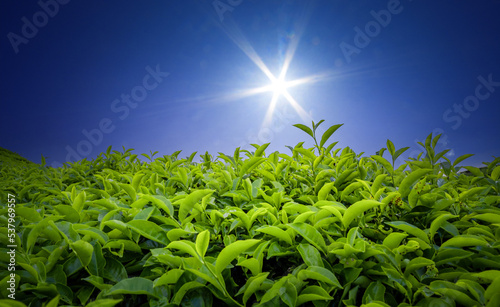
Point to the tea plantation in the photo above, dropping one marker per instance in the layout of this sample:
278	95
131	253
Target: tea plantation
311	227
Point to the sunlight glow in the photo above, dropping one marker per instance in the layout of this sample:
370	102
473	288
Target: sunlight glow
278	86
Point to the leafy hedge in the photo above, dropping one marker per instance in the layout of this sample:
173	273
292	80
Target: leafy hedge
319	227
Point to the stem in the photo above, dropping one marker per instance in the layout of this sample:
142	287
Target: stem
223	287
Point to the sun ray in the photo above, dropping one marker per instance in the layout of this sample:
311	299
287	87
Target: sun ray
278	85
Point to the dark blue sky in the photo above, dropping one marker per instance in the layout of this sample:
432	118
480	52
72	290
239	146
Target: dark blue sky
78	76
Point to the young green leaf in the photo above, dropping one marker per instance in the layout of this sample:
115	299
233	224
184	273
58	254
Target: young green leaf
134	285
404	187
394	239
187	247
276	232
149	230
313	293
230	252
250	164
384	163
202	241
328	133
315	126
305	129
252	285
495	174
185	288
356	209
398	153
411	229
415	264
187	204
390	147
83	250
435	140
325	190
309	233
310	255
493	290
320	274
438	222
465	240
306	153
79	201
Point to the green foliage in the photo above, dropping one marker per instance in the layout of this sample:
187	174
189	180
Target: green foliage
314	228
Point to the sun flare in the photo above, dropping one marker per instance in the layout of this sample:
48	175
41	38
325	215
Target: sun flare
279	86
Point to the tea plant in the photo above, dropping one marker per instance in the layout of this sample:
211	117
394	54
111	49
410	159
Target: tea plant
319	227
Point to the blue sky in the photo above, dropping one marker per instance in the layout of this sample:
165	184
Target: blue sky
164	76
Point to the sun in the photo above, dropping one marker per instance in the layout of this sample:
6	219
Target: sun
278	86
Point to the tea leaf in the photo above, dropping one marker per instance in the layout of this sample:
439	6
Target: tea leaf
437	222
312	293
276	232
252	285
464	241
356	209
328	133
325	190
149	230
495	174
309	233
411	229
106	302
471	192
134	285
384	163
230	252
493	289
306	153
321	274
83	250
187	204
79	202
394	239
417	263
461	158
488	217
250	164
310	255
202	242
404	187
305	129
186	247
374	292
179	294
260	151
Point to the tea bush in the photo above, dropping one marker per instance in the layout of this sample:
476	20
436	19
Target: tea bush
317	227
